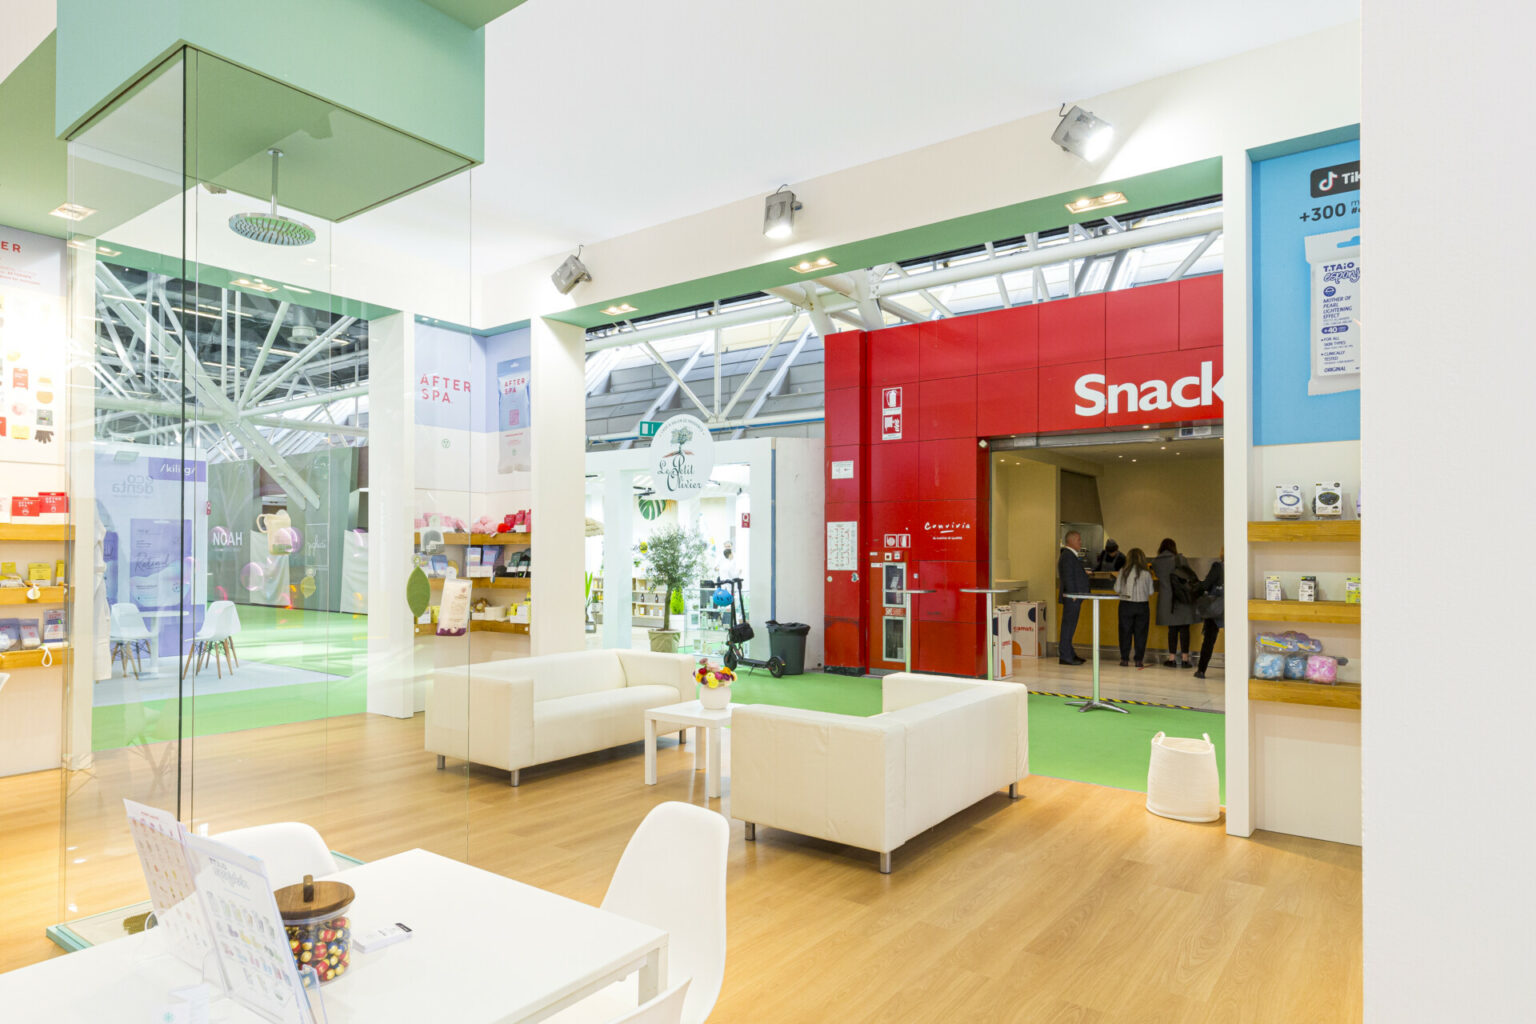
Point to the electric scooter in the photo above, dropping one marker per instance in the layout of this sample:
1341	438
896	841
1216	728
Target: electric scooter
741	631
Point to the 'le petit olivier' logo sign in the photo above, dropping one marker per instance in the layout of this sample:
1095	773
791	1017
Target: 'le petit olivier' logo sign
682	456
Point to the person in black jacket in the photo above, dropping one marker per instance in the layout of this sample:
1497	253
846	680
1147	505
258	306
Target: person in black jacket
1074	580
1209	606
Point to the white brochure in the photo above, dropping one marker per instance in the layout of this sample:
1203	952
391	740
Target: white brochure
1334	262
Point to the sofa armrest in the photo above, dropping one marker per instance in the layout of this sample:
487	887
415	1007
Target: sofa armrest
836	777
645	668
904	689
485	718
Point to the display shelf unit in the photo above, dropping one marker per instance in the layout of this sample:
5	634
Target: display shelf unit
1305	531
36	531
48	595
488	582
1299	691
465	539
34	657
477	626
644	601
1260	610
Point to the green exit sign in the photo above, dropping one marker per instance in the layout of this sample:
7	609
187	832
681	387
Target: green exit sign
648	428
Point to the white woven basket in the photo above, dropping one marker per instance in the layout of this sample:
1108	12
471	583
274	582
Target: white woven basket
1182	782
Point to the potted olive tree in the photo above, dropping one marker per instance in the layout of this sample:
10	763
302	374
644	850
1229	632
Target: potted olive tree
674	558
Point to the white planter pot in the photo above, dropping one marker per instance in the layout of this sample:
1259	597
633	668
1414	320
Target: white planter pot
716	699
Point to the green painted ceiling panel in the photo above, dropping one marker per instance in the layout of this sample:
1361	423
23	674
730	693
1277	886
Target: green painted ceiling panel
475	13
1160	188
33	162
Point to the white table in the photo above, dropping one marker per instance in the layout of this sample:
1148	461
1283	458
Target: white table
484	950
706	723
1095	704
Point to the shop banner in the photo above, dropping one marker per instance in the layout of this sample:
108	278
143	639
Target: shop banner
473	417
33	346
682	457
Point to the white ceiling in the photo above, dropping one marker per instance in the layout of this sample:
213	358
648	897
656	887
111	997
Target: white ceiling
604	117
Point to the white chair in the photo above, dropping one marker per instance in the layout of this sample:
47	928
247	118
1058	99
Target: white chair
666	1008
672	877
220	623
288	849
127	634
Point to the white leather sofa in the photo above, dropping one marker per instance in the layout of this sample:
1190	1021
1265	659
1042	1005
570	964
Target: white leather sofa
525	711
939	745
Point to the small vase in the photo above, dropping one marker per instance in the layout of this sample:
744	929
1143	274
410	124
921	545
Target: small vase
715	698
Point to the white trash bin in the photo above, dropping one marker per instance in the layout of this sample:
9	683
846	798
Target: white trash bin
1182	782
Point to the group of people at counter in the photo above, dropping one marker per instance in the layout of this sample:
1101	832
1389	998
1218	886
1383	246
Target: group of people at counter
1182	599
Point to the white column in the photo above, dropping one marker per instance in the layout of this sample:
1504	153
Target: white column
559	413
618	568
1445	417
391	514
85	632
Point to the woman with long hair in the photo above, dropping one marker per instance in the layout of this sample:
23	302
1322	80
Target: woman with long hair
1134	585
1175	613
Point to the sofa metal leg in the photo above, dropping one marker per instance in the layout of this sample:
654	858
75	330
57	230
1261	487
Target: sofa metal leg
442	762
1013	791
885	863
515	780
751	832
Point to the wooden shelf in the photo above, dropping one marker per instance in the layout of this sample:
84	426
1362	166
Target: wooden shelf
18	595
484	538
1303	611
34	658
489	582
36	531
1299	691
1315	531
476	626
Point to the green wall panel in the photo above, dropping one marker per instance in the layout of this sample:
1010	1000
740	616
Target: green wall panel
34	162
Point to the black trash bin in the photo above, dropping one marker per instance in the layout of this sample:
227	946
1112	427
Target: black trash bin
786	642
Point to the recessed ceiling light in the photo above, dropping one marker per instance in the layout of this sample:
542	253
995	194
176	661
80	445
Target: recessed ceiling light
619	310
806	266
301	291
1085	203
1162	448
257	285
1133	460
72	211
1146	426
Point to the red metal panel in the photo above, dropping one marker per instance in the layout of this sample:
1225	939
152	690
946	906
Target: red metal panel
1200	312
893	517
893	472
1007	403
947	531
892	355
953	648
947	348
844	642
952	469
1139	321
845	420
1059	397
1171	387
845	362
892	406
1008	339
1072	330
848	489
948	605
947	408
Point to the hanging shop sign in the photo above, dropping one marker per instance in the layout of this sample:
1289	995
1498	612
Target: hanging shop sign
682	456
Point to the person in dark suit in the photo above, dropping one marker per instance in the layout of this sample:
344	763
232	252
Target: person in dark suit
1074	580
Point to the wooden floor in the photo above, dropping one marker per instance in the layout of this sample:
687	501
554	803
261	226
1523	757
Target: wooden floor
1072	904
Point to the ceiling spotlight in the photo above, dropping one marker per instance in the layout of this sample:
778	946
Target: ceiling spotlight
570	273
72	211
806	266
619	310
1086	203
779	213
1083	133
257	285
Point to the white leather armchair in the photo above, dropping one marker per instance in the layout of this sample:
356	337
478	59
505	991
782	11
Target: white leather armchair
939	745
525	711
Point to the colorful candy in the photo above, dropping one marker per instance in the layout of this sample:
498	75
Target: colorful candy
323	945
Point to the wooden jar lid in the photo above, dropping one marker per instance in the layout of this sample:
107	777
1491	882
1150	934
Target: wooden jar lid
310	899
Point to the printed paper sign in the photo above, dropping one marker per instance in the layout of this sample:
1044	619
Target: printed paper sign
157	836
890	414
842	546
842	469
1334	260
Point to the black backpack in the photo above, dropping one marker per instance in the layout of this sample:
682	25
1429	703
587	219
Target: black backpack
1184	584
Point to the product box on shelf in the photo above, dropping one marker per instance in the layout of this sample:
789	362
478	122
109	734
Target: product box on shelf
1328	500
1306	590
1272	589
1288	501
1352	590
26	509
53	507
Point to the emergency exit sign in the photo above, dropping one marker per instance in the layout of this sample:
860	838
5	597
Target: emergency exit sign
648	428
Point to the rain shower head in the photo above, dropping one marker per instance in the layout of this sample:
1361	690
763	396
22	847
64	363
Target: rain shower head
271	228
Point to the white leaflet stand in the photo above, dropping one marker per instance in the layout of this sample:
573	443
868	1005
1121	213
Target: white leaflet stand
1095	704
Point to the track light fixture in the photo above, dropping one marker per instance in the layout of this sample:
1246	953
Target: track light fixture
779	213
570	273
1083	133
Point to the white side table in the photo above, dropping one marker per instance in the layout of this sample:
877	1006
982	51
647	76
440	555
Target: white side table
706	723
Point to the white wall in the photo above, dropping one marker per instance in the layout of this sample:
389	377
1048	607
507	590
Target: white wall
1448	759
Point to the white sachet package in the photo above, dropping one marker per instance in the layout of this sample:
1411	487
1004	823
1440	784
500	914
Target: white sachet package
1334	262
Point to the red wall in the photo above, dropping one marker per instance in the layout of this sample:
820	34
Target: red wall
1012	371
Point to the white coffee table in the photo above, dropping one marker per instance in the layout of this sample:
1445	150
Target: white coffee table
706	723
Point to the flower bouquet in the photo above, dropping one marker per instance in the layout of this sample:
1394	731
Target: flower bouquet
714	684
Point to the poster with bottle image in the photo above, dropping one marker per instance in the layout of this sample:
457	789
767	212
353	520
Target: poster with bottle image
33	344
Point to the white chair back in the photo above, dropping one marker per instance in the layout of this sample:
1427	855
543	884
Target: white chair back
126	623
672	877
288	849
231	617
666	1008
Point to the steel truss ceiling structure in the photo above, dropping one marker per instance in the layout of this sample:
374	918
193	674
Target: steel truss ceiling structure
631	374
229	374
